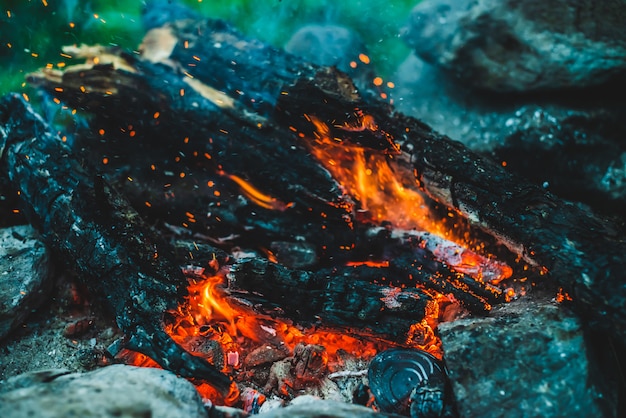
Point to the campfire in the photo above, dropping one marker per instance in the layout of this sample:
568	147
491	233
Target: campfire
264	227
220	322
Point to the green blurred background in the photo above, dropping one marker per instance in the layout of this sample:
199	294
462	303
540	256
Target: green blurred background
32	32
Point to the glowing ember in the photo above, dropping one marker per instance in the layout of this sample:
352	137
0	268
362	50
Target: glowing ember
216	326
224	330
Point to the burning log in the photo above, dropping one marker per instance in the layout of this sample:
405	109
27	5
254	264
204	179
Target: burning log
252	108
344	297
188	110
96	230
234	142
582	251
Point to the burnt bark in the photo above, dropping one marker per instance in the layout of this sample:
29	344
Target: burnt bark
251	100
344	297
98	233
385	300
580	250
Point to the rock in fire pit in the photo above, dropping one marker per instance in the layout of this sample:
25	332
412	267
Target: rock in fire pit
115	391
529	358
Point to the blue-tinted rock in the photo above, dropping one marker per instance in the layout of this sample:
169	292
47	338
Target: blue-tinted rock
24	275
518	46
114	391
527	359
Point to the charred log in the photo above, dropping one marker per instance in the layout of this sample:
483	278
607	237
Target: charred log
581	250
341	297
386	299
267	110
223	141
100	235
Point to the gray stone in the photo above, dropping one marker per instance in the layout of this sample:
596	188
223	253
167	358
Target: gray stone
571	144
25	277
329	45
333	45
527	359
310	407
114	391
511	45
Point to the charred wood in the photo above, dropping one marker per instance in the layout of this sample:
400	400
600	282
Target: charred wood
581	251
239	110
98	233
407	262
378	299
218	125
343	297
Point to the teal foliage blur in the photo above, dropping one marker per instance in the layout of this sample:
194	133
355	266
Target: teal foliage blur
32	32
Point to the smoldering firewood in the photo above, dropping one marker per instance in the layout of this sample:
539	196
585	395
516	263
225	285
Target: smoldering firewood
581	251
405	260
231	221
214	207
382	298
192	121
343	297
205	111
195	119
99	234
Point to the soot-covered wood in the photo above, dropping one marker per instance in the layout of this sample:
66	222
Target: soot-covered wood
98	233
122	261
582	251
341	297
238	100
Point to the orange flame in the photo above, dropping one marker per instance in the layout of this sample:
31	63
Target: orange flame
256	196
211	314
367	176
387	192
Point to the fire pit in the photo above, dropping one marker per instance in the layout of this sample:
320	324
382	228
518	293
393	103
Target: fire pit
322	236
